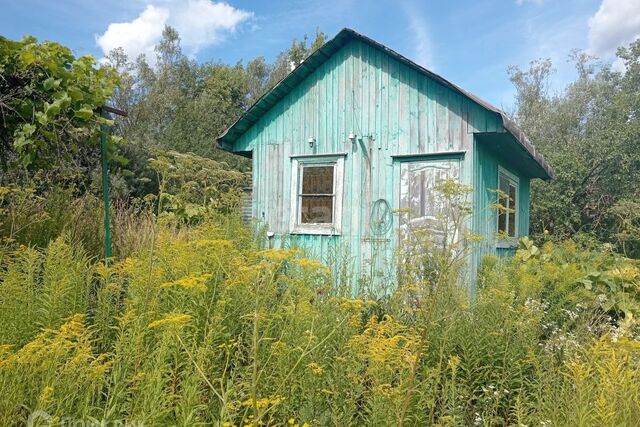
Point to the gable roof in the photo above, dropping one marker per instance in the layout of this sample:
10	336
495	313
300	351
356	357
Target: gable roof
309	65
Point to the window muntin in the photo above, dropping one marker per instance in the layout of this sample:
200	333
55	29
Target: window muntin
508	199
316	195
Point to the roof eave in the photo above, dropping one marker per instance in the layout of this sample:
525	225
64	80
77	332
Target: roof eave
522	139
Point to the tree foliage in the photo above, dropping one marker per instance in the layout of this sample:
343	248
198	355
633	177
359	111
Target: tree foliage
49	102
49	107
590	134
181	105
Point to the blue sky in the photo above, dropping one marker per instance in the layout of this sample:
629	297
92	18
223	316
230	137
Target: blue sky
469	42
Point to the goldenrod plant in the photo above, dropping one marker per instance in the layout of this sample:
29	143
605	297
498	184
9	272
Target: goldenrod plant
203	324
204	327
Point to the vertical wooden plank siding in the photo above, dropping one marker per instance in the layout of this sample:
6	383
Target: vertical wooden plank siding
394	111
485	180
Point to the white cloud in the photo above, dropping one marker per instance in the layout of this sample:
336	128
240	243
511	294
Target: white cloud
203	23
200	23
616	22
420	35
138	36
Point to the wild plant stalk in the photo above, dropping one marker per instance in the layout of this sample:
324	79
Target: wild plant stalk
208	330
447	257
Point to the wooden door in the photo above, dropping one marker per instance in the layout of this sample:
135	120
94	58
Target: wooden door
422	207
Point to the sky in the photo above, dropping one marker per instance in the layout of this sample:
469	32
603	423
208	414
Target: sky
469	42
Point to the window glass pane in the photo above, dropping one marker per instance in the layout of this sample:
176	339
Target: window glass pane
317	180
503	200
507	221
513	206
512	224
316	209
504	184
502	222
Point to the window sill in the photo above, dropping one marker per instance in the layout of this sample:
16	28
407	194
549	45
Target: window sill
510	243
322	231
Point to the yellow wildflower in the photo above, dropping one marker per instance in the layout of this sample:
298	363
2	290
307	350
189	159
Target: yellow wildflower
354	320
352	304
138	377
387	345
279	347
312	264
453	362
46	394
263	402
387	390
278	255
626	273
213	244
196	283
315	368
172	319
228	345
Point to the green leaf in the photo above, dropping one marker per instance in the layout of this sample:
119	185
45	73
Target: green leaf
84	113
28	129
104	121
628	307
42	118
26	160
48	83
52	110
119	159
63	100
75	93
21	141
588	284
27	57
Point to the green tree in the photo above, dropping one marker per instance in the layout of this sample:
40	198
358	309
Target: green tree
294	56
590	133
49	106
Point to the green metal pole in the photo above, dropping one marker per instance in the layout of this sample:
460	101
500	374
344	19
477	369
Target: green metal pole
105	190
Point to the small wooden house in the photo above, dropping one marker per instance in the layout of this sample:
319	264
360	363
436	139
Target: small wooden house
357	131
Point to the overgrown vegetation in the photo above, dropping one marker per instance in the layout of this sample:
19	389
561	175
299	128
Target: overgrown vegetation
590	134
202	326
194	322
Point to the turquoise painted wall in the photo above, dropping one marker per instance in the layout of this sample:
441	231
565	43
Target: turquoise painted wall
485	179
361	89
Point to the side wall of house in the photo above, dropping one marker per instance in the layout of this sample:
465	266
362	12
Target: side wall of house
485	181
394	111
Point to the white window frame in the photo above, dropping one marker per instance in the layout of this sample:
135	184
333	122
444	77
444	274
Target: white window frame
296	226
510	241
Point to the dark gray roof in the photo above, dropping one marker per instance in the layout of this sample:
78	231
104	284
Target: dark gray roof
309	65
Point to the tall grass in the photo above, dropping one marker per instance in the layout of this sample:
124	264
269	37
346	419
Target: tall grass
200	326
33	219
